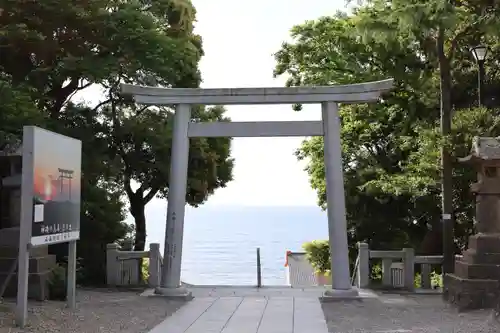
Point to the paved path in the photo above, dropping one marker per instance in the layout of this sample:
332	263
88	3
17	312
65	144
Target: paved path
247	314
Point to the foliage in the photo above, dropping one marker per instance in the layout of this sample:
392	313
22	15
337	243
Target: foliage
58	283
145	270
148	163
436	280
391	148
318	255
376	272
58	278
52	50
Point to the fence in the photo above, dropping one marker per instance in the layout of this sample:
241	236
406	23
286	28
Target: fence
395	274
124	268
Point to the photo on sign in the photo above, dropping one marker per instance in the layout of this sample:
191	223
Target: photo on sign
56	187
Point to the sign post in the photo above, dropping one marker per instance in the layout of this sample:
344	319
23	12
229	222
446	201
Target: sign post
50	204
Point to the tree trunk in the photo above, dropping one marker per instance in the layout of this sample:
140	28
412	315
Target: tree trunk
137	209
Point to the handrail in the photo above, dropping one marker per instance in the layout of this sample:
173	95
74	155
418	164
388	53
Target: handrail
259	269
354	273
124	268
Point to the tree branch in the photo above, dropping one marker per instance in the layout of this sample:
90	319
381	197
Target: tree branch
151	194
101	104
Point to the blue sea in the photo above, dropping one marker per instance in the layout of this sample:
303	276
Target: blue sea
220	242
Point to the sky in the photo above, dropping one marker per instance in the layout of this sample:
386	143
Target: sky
239	39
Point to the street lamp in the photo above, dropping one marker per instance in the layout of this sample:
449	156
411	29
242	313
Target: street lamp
480	52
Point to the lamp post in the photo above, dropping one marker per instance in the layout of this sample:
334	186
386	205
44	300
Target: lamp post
480	52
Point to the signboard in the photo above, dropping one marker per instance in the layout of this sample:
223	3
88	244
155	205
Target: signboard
50	204
56	183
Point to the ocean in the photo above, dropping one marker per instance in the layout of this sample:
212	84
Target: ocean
220	242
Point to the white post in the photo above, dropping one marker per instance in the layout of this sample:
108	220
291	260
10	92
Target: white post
71	282
337	225
174	231
154	265
363	274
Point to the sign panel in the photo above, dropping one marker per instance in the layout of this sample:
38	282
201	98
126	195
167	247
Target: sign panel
56	183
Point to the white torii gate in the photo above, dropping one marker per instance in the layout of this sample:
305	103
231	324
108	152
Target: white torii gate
328	127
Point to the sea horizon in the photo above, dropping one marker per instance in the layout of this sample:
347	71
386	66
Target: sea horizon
220	241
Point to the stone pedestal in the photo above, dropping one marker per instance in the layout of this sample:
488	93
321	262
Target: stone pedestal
476	281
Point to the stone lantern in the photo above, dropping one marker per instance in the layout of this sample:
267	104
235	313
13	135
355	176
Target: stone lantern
475	283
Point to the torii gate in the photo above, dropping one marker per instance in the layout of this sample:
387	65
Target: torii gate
328	127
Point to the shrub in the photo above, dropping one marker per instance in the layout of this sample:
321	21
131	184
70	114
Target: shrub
436	280
145	270
57	283
318	255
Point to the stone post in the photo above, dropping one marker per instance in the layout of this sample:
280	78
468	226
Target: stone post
363	273
387	272
154	265
425	274
409	268
112	265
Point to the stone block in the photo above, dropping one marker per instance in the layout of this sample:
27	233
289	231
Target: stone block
477	271
470	294
484	243
471	256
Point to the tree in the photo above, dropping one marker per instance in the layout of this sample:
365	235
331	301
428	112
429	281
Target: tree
380	140
442	30
140	140
329	51
61	48
17	109
439	28
55	49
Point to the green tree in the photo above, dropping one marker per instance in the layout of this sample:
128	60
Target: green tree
443	33
329	51
55	49
380	140
17	109
139	139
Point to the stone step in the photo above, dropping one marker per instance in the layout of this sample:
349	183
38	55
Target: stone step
38	288
483	243
473	257
477	271
38	264
470	294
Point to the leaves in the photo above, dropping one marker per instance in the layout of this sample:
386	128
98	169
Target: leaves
391	149
52	50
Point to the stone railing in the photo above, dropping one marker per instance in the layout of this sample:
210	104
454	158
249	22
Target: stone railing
123	268
408	261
